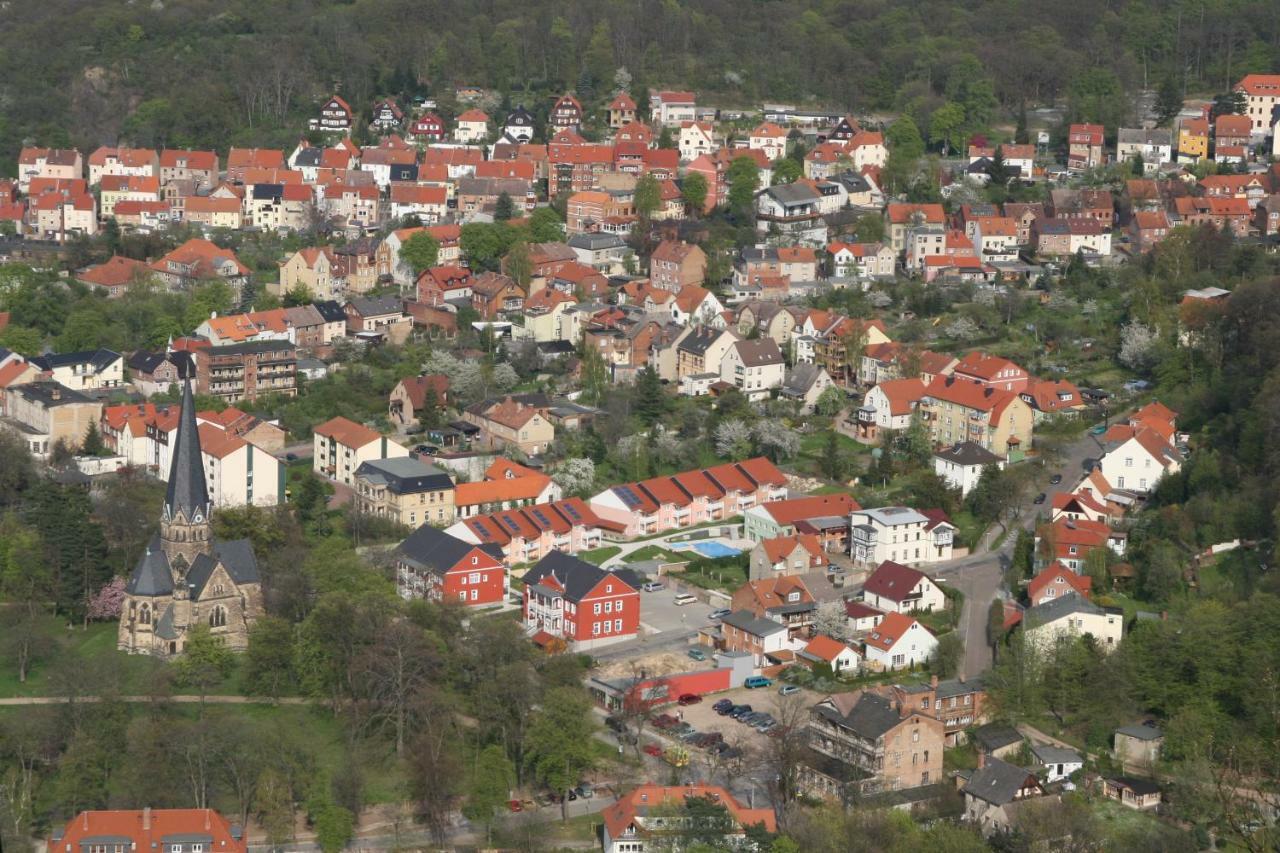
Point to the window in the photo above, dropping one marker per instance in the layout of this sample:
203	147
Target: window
218	618
608	607
1128	462
463	595
475	577
596	608
617	627
475	594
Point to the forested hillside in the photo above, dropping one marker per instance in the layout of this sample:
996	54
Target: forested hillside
220	72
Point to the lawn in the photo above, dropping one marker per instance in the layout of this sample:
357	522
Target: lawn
656	552
599	555
727	573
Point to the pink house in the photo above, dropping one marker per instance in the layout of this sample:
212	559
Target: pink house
527	534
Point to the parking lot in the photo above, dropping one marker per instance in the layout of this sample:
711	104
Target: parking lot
659	612
702	718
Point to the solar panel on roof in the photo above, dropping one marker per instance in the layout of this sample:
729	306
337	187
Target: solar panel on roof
571	511
542	517
629	497
509	522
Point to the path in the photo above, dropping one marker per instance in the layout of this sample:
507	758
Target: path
186	700
628	548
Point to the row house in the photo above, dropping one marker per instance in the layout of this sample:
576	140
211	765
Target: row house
682	500
1148	228
577	168
457	162
279	207
177	164
1232	214
210	212
1067	236
581	606
123	162
529	533
433	565
118	188
824	516
1024	215
675	264
1253	187
902	217
594	211
53	163
241	159
62	215
357	208
1095	204
506	485
494	295
475	196
958	703
170	830
1193	140
429	204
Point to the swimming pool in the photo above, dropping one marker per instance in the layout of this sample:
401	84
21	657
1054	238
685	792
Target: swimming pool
715	549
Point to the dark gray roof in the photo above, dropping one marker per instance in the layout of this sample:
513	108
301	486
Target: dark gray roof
1046	754
331	311
968	453
745	620
236	556
1141	731
404	172
576	576
437	551
995	736
145	361
151	575
1141	787
998	782
1055	608
49	394
789	194
99	359
405	475
872	717
371	305
164	626
801	379
520	117
187	492
596	242
700	340
308	157
268	191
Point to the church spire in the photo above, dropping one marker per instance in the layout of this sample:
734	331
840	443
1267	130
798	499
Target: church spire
188	493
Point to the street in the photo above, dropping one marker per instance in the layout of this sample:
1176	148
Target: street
979	575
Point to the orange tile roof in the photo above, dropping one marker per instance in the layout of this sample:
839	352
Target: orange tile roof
779	548
148	829
622	814
1080	583
118	271
825	648
791	510
890	630
902	394
525	488
347	432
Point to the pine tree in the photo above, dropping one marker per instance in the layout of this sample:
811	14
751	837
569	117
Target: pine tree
92	444
503	208
651	401
834	463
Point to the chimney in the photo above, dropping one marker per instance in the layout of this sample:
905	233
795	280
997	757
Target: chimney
206	820
982	759
146	818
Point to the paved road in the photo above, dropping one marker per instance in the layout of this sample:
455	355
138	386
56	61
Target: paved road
979	575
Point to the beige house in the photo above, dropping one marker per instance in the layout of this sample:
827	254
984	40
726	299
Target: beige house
213	212
317	269
867	742
83	371
341	446
756	367
406	491
43	413
408	399
1071	616
702	350
674	264
1137	747
509	423
957	410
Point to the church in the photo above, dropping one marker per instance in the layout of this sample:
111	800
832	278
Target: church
186	577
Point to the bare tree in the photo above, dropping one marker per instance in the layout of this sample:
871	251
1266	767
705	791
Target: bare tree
434	764
391	673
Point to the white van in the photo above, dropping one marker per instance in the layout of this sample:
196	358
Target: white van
685	598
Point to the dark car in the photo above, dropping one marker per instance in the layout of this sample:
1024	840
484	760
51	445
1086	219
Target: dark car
740	711
1040	498
1055	479
291	457
722	705
682	729
689	699
665	721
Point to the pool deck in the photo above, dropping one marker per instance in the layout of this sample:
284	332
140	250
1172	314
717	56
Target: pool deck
736	546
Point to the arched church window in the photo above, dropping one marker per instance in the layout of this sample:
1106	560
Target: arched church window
218	618
144	615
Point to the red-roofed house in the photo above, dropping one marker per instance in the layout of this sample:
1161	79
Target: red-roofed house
889	406
787	517
991	371
506	485
670	109
898	642
640	820
1261	96
769	139
1048	398
787	555
148	830
565	113
622	110
410	396
1055	581
335	116
115	275
895	588
835	654
959	410
508	422
1070	541
199	260
529	533
341	445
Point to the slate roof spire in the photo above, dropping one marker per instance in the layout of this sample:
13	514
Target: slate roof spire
188	493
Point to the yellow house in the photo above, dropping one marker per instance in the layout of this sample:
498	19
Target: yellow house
1193	140
509	423
317	269
406	491
957	409
544	315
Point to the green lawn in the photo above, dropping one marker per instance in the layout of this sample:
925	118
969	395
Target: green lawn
714	574
599	555
656	552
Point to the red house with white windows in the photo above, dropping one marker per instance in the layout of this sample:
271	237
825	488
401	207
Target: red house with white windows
427	127
581	605
432	564
1055	581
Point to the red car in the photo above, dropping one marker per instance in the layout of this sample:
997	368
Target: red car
515	805
665	721
689	699
653	749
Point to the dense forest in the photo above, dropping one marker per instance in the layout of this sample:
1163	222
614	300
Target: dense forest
233	72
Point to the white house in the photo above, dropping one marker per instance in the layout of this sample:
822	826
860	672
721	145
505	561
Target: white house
900	534
342	445
1072	615
861	260
889	405
1153	145
899	642
961	465
770	139
236	472
1058	763
671	109
754	366
82	371
1138	462
835	654
696	138
472	126
895	588
695	305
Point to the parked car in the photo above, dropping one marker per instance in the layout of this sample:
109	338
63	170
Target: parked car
291	457
767	726
1098	430
788	689
654	586
722	705
665	721
697	654
765	719
681	730
1055	479
750	719
685	598
585	790
740	711
1040	498
757	681
652	749
690	736
717	615
689	699
515	805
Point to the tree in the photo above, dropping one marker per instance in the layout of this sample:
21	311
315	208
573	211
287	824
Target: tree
26	584
92	444
992	494
693	189
503	208
421	252
830	402
786	171
648	196
558	746
270	663
830	619
651	401
1137	345
545	226
576	476
946	659
1168	99
946	127
335	827
743	177
489	787
273	804
519	264
834	462
205	662
906	147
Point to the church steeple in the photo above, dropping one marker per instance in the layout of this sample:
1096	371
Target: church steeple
188	494
184	523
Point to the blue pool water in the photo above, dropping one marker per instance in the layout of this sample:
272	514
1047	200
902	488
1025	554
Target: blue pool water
715	549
